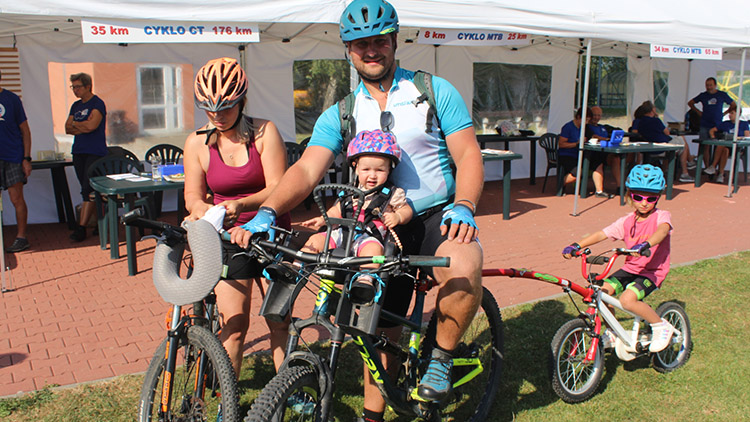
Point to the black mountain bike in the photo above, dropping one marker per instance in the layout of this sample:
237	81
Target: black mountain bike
303	390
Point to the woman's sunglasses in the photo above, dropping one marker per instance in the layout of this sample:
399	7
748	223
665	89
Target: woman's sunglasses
386	121
639	198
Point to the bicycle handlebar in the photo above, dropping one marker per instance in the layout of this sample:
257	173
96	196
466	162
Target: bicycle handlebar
268	249
600	259
205	247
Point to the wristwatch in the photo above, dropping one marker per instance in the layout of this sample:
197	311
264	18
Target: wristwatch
27	158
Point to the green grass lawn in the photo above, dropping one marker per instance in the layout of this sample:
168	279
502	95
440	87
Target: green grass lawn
712	386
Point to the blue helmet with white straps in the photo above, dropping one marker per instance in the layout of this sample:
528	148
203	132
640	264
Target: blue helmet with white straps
365	18
646	178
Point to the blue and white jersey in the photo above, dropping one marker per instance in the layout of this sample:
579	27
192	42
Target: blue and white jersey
424	171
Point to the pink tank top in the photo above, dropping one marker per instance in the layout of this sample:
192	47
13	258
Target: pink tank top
227	182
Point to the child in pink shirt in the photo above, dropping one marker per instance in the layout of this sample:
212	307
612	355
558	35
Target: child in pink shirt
647	228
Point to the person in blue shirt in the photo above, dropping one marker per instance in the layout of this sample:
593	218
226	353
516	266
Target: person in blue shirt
712	101
568	153
601	133
443	204
15	160
87	122
652	129
721	154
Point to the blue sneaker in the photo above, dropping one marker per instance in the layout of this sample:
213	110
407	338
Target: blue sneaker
436	383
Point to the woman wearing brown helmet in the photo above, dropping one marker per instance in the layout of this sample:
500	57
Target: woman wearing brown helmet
240	159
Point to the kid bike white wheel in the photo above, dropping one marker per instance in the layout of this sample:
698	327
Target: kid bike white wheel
292	395
678	351
483	340
573	378
187	404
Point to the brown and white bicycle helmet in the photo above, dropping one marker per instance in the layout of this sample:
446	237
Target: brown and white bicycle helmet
220	84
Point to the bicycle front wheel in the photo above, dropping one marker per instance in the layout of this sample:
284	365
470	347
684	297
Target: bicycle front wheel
292	395
575	379
477	378
217	400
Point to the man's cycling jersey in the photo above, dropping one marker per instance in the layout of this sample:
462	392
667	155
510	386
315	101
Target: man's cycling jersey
424	171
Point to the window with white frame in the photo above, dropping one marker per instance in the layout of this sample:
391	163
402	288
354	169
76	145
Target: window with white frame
159	97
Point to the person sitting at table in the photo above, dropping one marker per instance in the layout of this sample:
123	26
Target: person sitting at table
652	129
241	159
601	133
722	153
568	154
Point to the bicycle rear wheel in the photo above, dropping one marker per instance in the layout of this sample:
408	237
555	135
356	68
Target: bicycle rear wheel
573	378
292	395
187	404
679	349
483	340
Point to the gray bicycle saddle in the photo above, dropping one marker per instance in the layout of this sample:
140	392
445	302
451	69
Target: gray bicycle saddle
207	265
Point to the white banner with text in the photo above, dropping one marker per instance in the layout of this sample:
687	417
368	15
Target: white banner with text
471	37
120	31
680	52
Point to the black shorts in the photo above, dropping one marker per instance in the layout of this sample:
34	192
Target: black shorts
570	164
240	267
81	164
623	280
419	237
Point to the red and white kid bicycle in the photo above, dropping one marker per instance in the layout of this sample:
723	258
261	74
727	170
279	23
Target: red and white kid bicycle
577	351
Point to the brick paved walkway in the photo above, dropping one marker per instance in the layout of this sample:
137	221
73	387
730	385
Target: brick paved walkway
75	315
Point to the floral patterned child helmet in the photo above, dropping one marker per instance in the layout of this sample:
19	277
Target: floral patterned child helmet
375	142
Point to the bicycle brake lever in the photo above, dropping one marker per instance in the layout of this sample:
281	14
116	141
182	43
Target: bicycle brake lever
160	238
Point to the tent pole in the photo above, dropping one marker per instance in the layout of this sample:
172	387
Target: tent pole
582	137
737	115
2	249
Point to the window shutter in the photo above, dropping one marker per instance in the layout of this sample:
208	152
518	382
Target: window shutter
11	69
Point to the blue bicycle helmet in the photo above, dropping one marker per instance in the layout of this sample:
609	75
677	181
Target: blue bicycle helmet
646	178
365	18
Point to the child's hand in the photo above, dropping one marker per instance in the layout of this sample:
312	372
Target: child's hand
642	249
391	219
571	250
314	223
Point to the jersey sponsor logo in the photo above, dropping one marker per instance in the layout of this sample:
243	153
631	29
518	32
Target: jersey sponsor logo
712	101
2	113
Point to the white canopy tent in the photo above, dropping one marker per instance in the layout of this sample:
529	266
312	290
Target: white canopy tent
50	31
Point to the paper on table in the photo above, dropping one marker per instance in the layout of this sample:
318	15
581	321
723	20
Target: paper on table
137	179
122	176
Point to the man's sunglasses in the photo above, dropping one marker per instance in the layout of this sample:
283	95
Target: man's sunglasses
639	198
386	121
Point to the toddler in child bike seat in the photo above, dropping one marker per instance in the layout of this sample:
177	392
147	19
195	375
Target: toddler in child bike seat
372	154
645	228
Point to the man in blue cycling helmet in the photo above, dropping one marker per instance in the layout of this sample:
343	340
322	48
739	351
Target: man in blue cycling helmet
432	139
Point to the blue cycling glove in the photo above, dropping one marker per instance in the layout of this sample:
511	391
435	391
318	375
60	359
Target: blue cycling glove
458	214
571	249
262	222
642	247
